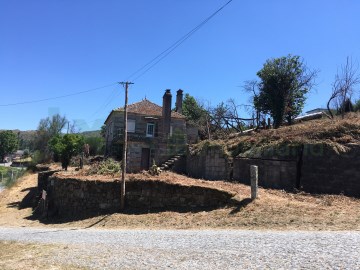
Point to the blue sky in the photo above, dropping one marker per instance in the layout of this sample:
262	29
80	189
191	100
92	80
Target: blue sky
55	48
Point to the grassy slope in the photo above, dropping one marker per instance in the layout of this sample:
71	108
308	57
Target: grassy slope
335	133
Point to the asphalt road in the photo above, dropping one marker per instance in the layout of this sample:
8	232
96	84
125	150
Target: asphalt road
195	249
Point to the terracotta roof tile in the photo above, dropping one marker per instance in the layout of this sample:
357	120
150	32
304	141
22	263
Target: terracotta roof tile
146	107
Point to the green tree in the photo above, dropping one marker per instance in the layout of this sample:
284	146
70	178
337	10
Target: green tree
285	81
196	115
357	106
48	128
192	109
65	147
97	145
8	143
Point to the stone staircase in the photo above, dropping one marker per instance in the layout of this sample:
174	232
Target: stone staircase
170	162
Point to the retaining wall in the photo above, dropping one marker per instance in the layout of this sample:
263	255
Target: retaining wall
43	177
71	196
314	169
325	171
273	173
210	164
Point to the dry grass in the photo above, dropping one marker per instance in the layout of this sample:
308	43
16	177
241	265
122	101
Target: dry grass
274	210
335	133
19	256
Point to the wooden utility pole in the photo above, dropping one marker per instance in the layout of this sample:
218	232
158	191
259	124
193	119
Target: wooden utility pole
123	167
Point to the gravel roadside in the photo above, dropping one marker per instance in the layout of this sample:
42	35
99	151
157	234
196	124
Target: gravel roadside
195	249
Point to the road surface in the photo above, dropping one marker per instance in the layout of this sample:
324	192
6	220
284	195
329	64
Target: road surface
195	249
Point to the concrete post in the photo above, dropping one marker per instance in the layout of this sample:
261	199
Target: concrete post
254	181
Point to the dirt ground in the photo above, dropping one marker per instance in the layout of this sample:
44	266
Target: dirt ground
273	210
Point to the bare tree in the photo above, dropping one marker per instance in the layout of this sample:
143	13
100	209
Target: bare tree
252	87
344	86
225	119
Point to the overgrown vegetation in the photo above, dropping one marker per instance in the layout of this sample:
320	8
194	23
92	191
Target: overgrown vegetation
106	167
335	133
65	147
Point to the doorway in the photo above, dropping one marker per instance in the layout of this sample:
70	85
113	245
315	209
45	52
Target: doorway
145	158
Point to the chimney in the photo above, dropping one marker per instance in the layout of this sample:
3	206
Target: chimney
179	100
166	112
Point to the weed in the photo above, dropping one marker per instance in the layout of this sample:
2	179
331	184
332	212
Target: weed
106	167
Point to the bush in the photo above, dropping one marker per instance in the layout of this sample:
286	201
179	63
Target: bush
37	158
154	169
106	167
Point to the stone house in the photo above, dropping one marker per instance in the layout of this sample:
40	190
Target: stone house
155	133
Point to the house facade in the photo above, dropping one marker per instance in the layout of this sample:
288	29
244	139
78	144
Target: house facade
155	133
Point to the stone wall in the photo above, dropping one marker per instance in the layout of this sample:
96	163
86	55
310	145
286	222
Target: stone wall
71	196
325	171
43	179
273	173
180	165
211	163
315	169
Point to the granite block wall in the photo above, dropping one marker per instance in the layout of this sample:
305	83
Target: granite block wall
325	171
273	173
210	164
71	196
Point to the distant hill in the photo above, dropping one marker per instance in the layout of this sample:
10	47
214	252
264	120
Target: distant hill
93	133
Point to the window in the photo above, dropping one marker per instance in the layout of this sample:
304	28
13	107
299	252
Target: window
131	126
150	130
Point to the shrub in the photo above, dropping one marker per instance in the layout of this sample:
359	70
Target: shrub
154	169
106	167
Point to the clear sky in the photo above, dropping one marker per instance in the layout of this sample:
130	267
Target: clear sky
55	48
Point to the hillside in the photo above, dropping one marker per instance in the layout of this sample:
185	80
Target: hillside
92	133
336	133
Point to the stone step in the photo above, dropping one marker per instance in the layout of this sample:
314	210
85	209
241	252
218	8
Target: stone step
170	162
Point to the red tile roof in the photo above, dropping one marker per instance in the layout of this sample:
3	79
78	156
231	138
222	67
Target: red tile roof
146	107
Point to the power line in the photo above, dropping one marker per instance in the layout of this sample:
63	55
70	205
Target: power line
109	99
52	98
144	69
170	49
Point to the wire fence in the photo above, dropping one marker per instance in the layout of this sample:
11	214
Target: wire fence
8	176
